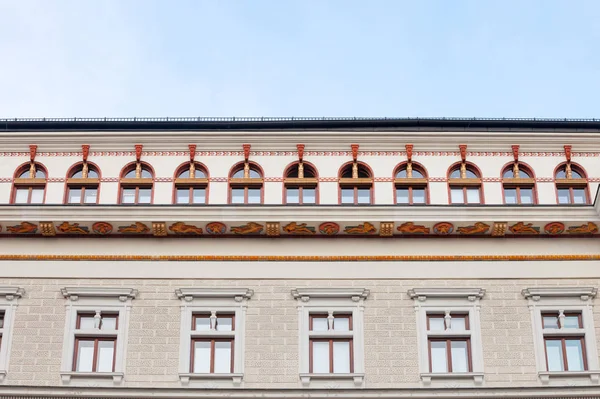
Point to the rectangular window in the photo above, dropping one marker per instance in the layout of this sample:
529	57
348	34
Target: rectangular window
402	196
254	195
128	196
347	195
418	195
212	356
145	195
94	354
449	342
183	196
526	195
330	355
364	195
237	195
564	196
91	196
199	195
37	196
74	195
21	196
510	195
473	196
457	196
293	196
309	195
579	196
564	353
205	322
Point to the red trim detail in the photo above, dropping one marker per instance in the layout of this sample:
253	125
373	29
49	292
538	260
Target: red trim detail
463	151
409	152
138	152
515	150
568	152
300	148
192	148
246	148
32	151
85	148
354	151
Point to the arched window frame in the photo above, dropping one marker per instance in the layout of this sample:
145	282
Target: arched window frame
246	183
136	183
197	187
518	184
465	184
85	185
409	185
569	187
31	186
359	185
305	185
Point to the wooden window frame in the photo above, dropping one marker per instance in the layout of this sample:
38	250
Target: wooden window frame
224	315
563	339
313	316
190	184
347	186
452	315
448	342
82	187
331	342
137	187
95	356
29	186
212	352
103	315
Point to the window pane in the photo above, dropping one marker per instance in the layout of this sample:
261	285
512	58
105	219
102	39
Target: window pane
456	195
471	174
130	174
109	323
239	174
237	195
554	355
293	196
92	174
561	174
39	174
201	357
473	195
455	174
146	174
401	174
416	174
402	195
185	174
526	196
418	195
320	357
571	322
320	324
224	324
439	363
199	196
91	195
21	195
510	195
145	194
341	324
364	196
523	174
509	173
106	351
74	196
78	174
341	357
458	323
436	324
347	196
550	321
579	196
223	357
86	322
575	175
460	356
563	196
574	355
309	196
254	195
202	324
37	196
85	355
128	196
254	174
183	196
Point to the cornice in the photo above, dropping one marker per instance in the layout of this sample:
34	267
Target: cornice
122	294
238	294
537	293
11	293
305	294
423	294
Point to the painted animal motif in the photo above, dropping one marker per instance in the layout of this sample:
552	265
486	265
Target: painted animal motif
295	228
74	228
23	228
136	228
182	228
588	228
554	228
249	228
411	228
477	228
366	228
329	228
522	228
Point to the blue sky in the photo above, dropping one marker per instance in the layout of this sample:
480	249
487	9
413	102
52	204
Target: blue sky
484	58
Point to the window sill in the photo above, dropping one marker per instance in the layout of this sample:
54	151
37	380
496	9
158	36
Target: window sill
358	379
66	376
476	377
2	375
545	376
236	378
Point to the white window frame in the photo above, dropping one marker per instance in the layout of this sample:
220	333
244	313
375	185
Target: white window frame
331	301
9	297
209	300
94	300
448	301
565	299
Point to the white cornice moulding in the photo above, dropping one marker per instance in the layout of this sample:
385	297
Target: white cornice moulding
123	294
423	294
238	294
305	294
11	293
536	293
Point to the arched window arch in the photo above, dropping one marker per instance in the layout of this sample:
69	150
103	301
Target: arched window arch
191	184
137	184
571	184
29	185
300	184
83	184
356	184
246	184
518	184
464	184
410	182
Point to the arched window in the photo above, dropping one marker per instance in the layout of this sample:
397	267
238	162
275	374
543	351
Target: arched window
83	183
410	181
29	184
518	184
464	182
300	184
356	184
246	184
137	184
191	184
571	184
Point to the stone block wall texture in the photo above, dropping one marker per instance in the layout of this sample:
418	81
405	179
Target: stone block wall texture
271	353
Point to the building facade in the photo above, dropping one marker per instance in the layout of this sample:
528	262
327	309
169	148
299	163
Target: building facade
288	258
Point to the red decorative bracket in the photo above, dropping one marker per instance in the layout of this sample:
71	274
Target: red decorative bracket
32	151
515	150
354	151
138	152
568	152
246	148
463	152
192	148
85	148
409	148
300	148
